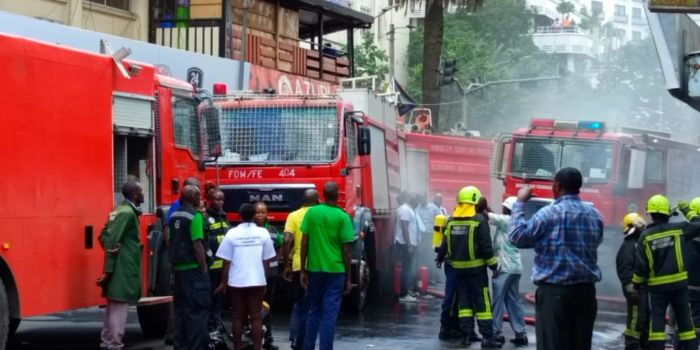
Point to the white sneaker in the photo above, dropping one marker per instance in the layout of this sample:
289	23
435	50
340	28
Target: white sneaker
408	299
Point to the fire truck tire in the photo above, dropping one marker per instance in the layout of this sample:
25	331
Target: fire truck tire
357	300
153	319
4	317
14	324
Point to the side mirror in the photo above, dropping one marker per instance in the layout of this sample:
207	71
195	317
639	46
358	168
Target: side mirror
212	131
364	144
638	160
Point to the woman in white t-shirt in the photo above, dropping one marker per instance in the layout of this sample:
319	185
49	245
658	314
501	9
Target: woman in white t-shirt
246	251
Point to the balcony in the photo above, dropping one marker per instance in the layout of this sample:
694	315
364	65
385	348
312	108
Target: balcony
618	18
559	40
277	37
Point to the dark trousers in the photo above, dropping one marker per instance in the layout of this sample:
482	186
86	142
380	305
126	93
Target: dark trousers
269	297
474	300
217	303
192	299
447	317
637	330
297	324
323	297
565	316
246	303
678	299
408	272
694	297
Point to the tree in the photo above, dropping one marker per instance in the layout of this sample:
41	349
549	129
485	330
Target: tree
432	48
370	59
565	7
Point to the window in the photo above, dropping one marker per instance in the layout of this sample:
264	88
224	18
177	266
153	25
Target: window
620	33
186	123
351	139
543	158
279	134
655	167
637	36
637	13
120	4
620	10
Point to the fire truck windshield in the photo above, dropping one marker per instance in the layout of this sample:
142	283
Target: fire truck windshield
280	135
542	158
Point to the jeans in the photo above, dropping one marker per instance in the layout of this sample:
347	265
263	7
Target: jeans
408	271
323	297
565	316
297	323
506	296
192	299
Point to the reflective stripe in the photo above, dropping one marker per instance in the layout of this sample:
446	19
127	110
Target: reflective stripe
662	235
657	336
492	261
631	330
217	264
676	277
482	316
220	238
686	335
472	256
638	279
465	313
182	214
650	258
679	253
467	264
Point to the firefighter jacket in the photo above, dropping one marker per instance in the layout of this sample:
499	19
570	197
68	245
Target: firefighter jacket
182	249
691	249
122	235
659	260
626	256
215	227
467	244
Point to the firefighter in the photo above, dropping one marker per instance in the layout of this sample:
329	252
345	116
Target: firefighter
636	333
467	249
660	265
215	227
692	257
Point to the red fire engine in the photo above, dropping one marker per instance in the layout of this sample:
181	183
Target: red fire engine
276	147
75	125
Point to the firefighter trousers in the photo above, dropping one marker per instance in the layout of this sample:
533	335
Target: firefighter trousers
678	299
474	300
637	330
694	296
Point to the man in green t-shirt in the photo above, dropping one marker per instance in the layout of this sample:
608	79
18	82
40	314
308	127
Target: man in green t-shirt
191	290
326	254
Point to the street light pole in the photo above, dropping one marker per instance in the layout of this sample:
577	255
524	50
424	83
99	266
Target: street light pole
391	50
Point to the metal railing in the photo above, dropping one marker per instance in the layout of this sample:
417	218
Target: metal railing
559	30
195	35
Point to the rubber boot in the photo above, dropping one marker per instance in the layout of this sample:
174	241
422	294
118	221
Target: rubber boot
520	340
490	343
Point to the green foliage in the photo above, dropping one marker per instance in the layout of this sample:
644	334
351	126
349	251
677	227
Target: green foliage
370	59
591	19
566	7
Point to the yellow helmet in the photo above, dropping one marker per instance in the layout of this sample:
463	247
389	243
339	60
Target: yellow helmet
695	205
632	219
659	204
469	194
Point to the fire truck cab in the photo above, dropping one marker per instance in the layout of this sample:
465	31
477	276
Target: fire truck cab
76	125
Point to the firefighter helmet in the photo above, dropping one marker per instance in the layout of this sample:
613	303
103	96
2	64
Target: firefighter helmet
469	194
632	219
695	205
659	204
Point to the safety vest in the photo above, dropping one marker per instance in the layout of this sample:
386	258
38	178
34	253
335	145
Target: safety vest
182	250
215	227
463	249
662	247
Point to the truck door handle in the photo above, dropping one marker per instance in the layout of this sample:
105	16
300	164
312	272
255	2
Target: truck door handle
88	237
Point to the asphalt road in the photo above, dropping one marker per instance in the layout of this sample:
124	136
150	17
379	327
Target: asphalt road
382	326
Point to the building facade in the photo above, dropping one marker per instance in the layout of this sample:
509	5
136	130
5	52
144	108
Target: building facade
124	18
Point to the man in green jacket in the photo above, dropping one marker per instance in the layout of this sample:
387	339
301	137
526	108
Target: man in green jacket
121	282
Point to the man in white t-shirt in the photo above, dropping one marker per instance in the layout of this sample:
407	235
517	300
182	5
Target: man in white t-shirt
246	251
406	241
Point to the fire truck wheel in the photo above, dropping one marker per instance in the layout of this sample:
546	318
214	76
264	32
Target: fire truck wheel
358	297
14	324
4	316
153	319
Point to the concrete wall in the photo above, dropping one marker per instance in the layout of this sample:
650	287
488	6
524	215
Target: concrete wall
132	24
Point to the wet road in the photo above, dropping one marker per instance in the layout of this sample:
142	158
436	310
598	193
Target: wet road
383	326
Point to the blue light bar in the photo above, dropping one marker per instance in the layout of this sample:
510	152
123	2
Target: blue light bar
591	125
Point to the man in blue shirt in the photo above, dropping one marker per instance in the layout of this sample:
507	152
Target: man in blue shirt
565	236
